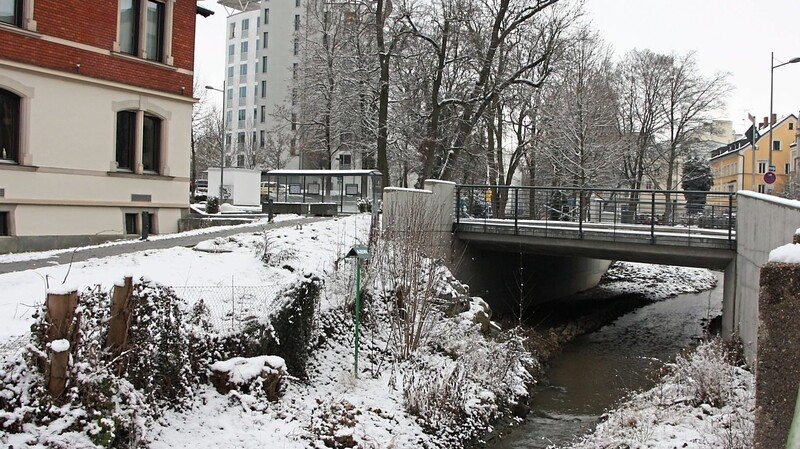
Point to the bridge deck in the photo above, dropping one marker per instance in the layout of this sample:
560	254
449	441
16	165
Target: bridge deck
711	248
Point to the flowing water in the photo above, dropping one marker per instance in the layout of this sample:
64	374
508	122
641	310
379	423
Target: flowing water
596	370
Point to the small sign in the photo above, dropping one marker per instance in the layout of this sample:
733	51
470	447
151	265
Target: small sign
313	188
359	252
769	177
294	189
351	189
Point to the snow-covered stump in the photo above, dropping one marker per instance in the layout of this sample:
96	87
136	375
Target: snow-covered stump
119	323
60	307
778	360
266	372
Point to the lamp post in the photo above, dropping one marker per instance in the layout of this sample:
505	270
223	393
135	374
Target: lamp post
771	83
222	147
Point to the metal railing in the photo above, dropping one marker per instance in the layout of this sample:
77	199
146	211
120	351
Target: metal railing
658	213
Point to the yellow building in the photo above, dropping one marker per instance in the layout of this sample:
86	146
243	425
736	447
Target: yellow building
736	167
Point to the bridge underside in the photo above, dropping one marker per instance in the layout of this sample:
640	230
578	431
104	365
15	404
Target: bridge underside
713	258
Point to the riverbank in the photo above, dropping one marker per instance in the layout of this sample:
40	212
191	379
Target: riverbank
628	290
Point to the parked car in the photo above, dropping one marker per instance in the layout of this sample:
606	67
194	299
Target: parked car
201	190
271	187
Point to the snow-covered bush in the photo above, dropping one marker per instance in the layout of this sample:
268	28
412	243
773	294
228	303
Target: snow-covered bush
705	398
158	353
704	374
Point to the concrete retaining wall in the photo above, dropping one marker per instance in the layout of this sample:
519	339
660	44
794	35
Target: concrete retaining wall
778	364
763	222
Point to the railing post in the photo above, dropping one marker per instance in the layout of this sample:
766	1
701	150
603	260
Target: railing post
458	204
730	219
653	217
516	210
580	214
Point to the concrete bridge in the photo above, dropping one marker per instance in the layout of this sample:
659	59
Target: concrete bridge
542	243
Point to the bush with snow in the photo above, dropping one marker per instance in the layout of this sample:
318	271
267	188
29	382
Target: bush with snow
705	398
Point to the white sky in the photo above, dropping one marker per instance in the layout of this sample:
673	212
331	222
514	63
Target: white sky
734	36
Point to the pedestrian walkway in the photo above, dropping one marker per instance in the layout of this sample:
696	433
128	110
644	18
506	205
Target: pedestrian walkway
62	257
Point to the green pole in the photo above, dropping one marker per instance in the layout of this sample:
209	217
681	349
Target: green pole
358	310
793	441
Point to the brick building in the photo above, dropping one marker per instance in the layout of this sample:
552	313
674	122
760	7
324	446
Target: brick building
95	118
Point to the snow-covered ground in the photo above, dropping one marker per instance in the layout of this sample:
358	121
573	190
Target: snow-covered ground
333	407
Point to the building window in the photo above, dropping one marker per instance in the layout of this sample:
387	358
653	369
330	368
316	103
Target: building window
126	139
5	227
263	90
293	147
297	22
245	27
296	3
261	138
762	166
266	16
231	52
243	70
265	40
791	126
228	118
787	168
243	92
296	48
294	71
263	64
243	49
151	143
130	224
240	160
232	28
294	96
228	139
9	126
11	13
230	73
776	145
263	113
345	160
145	43
294	121
762	188
242	114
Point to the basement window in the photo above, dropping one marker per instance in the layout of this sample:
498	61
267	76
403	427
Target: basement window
4	225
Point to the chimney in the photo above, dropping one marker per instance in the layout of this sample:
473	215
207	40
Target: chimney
774	118
764	123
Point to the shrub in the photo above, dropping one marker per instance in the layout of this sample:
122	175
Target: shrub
212	205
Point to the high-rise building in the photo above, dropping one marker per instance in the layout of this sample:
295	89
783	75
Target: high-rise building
262	60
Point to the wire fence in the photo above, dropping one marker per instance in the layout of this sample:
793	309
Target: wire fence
232	307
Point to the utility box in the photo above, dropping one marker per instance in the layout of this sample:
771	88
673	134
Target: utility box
241	185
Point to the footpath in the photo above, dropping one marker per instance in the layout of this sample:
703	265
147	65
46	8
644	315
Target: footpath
66	256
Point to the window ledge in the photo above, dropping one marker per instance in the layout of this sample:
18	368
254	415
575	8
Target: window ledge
144	61
19	30
14	166
153	176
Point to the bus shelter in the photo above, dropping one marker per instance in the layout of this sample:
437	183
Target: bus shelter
351	190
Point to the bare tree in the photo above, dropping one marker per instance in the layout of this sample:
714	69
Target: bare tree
581	110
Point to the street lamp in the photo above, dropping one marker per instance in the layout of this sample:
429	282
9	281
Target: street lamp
771	83
222	148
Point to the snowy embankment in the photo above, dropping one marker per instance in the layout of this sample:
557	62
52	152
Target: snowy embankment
428	375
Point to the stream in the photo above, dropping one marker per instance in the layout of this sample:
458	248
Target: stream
597	370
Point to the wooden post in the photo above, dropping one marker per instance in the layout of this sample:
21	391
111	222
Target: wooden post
120	320
60	316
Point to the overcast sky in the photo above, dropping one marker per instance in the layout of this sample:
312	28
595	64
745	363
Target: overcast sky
734	36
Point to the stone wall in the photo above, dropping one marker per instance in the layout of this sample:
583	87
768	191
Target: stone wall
778	361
